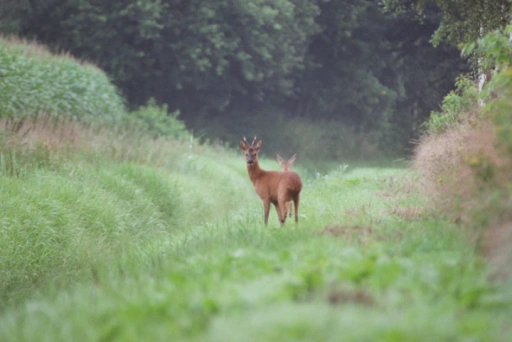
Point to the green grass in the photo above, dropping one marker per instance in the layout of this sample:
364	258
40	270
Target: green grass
108	235
110	251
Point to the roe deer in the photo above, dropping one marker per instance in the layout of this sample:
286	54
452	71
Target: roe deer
286	166
272	186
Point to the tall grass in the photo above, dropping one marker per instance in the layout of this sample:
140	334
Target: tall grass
75	205
314	141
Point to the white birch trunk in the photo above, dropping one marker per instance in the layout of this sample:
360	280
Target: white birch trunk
482	77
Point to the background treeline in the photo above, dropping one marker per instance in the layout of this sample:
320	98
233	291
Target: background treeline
328	79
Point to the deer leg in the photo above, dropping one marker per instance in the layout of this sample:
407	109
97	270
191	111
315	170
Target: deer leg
281	211
284	214
289	209
278	211
296	205
266	208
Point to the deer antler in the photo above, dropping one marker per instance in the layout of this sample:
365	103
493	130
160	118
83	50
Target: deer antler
245	142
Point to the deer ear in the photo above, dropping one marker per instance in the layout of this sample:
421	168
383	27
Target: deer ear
258	145
292	159
279	159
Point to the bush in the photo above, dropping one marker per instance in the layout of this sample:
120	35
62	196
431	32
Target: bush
157	122
457	165
33	81
457	105
466	156
498	92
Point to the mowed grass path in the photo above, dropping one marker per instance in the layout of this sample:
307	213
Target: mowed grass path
186	257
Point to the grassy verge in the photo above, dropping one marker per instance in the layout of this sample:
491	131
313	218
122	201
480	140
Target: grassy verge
67	220
366	263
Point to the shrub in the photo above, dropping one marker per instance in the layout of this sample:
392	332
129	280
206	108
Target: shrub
157	122
457	105
466	156
33	81
457	164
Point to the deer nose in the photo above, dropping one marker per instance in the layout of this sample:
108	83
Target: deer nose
250	162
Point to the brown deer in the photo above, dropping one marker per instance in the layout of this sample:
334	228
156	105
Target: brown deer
274	187
286	165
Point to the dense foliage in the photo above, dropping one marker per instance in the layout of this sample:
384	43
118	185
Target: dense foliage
32	81
466	155
461	21
157	121
239	67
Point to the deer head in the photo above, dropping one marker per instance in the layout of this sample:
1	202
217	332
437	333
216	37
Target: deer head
251	151
286	165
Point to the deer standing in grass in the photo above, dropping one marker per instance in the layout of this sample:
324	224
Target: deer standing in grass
286	165
274	187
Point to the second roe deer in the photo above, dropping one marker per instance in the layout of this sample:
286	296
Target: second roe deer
274	187
286	165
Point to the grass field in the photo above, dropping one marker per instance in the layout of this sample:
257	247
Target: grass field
117	251
120	233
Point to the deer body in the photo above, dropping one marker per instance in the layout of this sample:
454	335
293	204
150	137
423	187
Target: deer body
286	165
273	187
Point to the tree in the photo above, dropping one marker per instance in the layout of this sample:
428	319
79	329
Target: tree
376	71
224	51
190	53
461	21
425	73
118	36
11	14
345	64
238	62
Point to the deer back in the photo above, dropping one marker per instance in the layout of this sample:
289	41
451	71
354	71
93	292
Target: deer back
275	184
